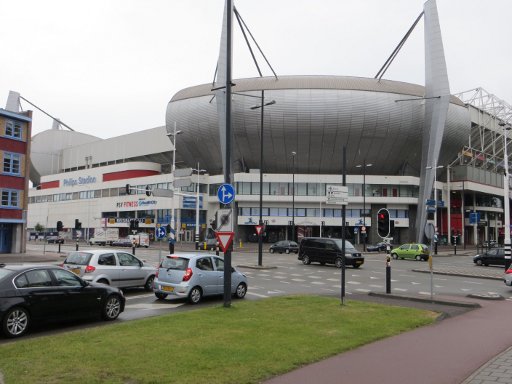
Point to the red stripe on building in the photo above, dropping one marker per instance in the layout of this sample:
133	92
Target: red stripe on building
12	182
11	213
128	174
11	145
50	184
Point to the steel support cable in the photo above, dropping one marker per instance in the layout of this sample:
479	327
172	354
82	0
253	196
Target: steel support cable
47	114
390	59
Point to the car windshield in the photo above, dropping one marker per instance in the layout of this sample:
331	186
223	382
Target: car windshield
348	244
79	258
173	262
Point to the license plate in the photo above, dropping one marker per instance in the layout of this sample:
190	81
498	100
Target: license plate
76	271
359	262
167	289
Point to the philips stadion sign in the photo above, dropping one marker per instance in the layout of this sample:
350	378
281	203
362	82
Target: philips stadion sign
71	182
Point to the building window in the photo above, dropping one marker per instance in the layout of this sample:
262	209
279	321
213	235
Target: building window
10	198
13	129
12	163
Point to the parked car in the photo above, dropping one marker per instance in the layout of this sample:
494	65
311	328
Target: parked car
55	240
328	251
30	294
194	276
210	243
379	247
508	277
411	251
286	246
113	267
494	256
122	243
490	244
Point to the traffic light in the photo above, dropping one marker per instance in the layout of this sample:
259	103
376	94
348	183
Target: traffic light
148	190
60	227
127	189
391	227
383	225
168	228
78	224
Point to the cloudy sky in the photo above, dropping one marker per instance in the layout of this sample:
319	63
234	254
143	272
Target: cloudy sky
109	67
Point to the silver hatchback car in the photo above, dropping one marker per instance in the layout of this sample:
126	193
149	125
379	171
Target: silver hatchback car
117	268
194	276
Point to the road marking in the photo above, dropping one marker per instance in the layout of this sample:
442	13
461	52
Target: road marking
362	290
153	306
256	294
318	282
298	280
400	289
353	282
376	286
414	283
139	296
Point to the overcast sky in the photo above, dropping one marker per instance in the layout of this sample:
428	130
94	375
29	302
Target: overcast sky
109	67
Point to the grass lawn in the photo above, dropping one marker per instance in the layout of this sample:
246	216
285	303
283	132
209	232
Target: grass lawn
246	343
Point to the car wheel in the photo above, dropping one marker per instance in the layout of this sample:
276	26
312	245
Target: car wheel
112	307
394	256
305	260
479	262
103	281
418	257
356	266
241	290
195	295
16	322
149	283
287	251
160	295
338	262
271	250
322	263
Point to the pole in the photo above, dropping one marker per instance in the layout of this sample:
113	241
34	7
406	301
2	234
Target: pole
197	207
343	217
364	203
260	235
388	274
172	234
227	168
506	200
320	214
293	195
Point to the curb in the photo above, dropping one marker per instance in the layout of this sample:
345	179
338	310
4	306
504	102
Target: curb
459	274
423	300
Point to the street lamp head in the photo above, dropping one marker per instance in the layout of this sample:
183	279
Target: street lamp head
361	165
294	153
174	133
272	102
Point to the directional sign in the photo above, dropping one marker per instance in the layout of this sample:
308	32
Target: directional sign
160	232
226	193
430	202
440	203
337	194
225	239
259	229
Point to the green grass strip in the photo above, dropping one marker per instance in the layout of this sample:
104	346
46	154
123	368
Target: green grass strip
246	343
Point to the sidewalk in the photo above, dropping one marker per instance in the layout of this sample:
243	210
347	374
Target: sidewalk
471	348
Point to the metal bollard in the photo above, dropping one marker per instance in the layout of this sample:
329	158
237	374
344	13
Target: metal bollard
59	247
455	249
77	244
388	274
217	250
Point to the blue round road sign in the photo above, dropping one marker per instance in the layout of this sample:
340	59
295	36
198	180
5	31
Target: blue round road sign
160	232
226	193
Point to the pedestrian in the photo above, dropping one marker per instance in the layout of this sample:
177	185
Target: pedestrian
171	245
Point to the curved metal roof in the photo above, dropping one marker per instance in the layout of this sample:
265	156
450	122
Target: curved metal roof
379	122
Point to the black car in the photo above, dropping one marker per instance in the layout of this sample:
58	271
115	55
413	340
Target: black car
495	256
122	243
286	246
379	247
329	251
55	240
30	294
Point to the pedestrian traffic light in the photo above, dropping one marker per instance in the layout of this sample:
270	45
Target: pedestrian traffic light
168	228
78	224
383	225
127	189
148	191
60	227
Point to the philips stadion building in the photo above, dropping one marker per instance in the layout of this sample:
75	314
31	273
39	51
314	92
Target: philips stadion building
307	122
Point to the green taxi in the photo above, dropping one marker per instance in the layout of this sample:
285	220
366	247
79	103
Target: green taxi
411	251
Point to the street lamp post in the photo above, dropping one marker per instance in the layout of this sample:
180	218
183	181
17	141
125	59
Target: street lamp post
506	200
364	165
293	195
435	168
260	235
172	234
198	170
